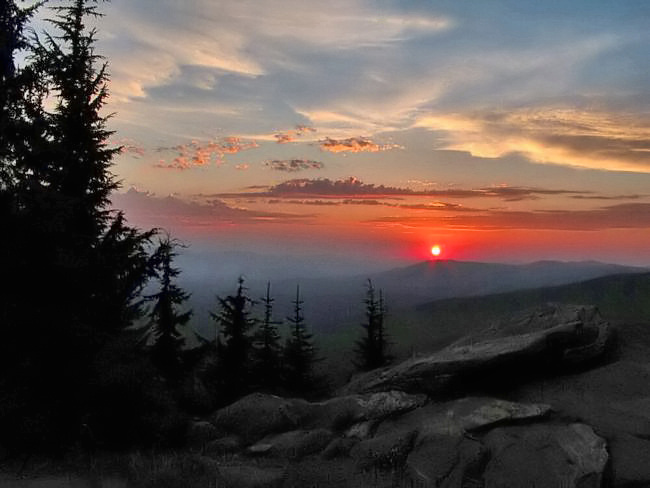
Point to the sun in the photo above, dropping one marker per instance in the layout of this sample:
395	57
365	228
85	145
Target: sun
436	250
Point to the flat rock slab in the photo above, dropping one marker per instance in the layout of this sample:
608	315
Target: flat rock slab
469	414
558	335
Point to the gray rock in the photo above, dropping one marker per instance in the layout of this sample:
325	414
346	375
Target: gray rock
544	455
339	413
456	417
446	462
630	461
258	415
386	451
293	445
200	432
339	447
250	477
561	334
224	446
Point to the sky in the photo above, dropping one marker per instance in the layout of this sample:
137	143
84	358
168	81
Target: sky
369	131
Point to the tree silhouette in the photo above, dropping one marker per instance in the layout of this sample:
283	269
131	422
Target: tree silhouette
267	349
164	318
371	349
75	266
300	354
234	344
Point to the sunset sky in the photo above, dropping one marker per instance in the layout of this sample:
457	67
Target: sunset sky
500	130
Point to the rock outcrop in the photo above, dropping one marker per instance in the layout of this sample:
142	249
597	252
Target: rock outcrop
397	422
553	337
472	441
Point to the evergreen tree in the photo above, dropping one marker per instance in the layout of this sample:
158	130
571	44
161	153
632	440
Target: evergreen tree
267	347
234	362
61	242
372	347
300	354
164	318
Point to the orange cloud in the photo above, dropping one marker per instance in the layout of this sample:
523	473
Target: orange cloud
197	154
129	146
292	135
355	145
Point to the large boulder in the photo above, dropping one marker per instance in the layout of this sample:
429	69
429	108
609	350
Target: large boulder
259	415
544	339
341	412
386	451
447	462
545	455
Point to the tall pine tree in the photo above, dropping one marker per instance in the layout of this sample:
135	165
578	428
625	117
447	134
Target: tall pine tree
299	355
165	319
372	348
234	342
267	349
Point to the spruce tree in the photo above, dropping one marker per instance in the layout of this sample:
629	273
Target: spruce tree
234	342
299	354
61	242
165	320
371	349
267	349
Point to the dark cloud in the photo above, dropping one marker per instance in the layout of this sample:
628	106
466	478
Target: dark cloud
608	197
354	187
630	215
149	210
354	144
294	165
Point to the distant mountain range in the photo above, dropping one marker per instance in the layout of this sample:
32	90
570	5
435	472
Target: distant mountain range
448	279
331	302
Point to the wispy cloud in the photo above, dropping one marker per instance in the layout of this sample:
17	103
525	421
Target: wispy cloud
589	139
294	165
355	145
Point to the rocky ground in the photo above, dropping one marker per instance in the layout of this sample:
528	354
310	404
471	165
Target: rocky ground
540	399
552	397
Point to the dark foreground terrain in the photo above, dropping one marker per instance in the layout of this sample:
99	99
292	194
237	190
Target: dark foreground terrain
553	396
